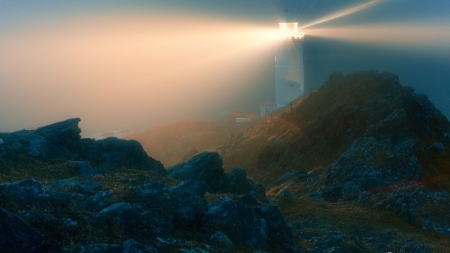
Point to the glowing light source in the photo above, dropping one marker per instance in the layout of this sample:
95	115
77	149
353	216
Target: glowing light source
290	30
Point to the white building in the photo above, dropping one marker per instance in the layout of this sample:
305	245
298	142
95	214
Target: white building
289	69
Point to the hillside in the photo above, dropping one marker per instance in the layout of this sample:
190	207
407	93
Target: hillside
363	145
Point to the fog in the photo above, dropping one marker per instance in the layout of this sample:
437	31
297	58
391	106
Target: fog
132	65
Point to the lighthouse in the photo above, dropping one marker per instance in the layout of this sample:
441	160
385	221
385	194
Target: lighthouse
289	69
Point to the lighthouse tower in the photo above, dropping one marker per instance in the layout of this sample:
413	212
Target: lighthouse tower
289	69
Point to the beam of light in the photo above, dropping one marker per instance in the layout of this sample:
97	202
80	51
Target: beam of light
120	71
423	38
342	13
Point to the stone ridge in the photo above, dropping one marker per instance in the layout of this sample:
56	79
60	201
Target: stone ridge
62	140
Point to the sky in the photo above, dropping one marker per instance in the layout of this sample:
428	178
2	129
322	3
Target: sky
133	64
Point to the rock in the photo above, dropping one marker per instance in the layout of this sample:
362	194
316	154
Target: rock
186	199
117	154
363	196
98	201
279	231
65	130
414	247
153	195
236	182
222	240
62	140
17	236
438	146
239	222
119	214
23	193
206	166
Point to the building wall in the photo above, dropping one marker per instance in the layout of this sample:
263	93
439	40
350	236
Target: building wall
289	72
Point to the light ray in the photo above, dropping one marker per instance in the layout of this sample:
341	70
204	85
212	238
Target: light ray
429	38
342	13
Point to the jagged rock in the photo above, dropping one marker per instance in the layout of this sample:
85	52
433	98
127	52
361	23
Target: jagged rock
153	195
186	199
119	213
414	247
206	166
239	222
236	182
67	129
98	201
17	236
278	228
23	193
221	239
62	140
436	146
116	154
360	175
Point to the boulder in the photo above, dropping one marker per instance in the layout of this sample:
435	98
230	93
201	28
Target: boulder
279	231
117	153
98	201
221	239
64	130
239	222
187	200
17	236
206	166
236	182
23	193
153	195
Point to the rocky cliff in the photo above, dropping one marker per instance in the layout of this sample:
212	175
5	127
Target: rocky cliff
61	193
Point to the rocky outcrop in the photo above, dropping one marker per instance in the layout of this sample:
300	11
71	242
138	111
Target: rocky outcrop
242	223
17	236
207	166
62	140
